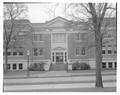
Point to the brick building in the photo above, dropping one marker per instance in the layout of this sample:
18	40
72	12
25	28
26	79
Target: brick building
60	42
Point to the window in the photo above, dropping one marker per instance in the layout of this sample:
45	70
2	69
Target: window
115	64
109	51
109	35
83	51
14	66
103	64
115	52
14	53
83	36
20	66
8	66
103	51
78	51
109	45
59	37
20	53
35	52
40	51
40	37
8	53
65	57
35	38
110	64
53	57
78	35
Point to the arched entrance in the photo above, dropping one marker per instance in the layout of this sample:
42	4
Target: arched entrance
59	58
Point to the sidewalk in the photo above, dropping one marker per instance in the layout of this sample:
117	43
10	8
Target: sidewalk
23	74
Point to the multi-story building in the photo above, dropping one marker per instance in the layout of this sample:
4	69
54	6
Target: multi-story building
60	42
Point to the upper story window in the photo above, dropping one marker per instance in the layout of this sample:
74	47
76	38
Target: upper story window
38	51
8	53
14	53
59	38
103	51
8	66
38	37
35	38
78	51
83	51
35	51
20	53
109	51
80	36
115	51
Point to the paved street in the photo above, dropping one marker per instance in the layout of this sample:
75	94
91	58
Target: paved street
59	81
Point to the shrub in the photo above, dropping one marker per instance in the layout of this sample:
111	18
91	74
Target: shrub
80	66
37	67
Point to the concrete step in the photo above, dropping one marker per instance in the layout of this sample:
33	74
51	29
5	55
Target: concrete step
58	67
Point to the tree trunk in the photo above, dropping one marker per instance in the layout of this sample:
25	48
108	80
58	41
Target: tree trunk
98	41
6	60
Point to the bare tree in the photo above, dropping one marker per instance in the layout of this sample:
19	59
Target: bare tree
96	12
12	12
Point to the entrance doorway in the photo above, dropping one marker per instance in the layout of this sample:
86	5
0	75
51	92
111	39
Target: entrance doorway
59	59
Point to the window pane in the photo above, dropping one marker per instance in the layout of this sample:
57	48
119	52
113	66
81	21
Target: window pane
20	66
115	64
35	52
110	64
103	65
35	37
77	51
8	53
109	51
14	66
115	51
40	37
103	51
78	36
59	38
83	51
40	51
83	36
8	66
14	53
20	53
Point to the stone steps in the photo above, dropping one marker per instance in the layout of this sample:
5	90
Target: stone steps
58	67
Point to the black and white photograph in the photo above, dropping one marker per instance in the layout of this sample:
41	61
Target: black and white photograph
59	46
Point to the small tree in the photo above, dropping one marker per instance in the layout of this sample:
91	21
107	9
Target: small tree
12	12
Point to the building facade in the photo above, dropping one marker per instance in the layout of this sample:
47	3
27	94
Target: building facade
59	43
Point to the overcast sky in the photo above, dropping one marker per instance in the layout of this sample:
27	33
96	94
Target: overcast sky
41	13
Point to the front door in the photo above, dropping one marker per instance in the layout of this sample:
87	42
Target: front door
59	59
